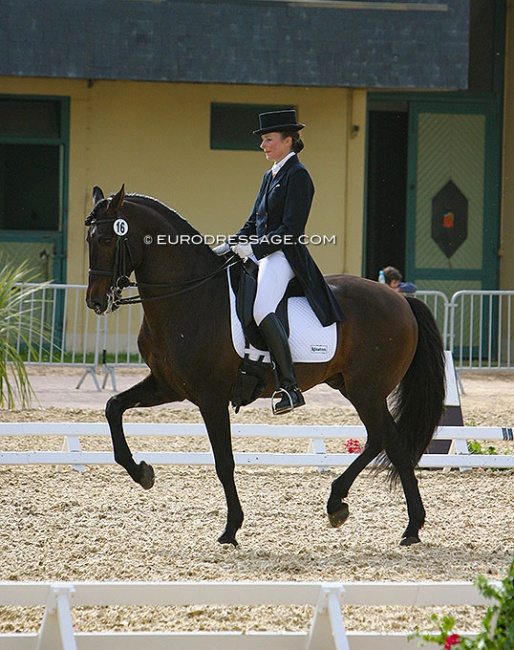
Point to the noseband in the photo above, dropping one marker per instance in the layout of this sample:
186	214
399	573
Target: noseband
120	274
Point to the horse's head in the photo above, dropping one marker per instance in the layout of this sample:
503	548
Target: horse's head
138	233
110	261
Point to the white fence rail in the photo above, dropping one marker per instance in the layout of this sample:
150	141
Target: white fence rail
327	630
315	456
478	326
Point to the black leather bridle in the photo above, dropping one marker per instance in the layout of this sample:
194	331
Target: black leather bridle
120	273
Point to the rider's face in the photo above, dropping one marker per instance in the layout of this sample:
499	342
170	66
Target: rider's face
275	146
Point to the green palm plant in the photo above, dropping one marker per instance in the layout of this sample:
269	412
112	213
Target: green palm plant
17	328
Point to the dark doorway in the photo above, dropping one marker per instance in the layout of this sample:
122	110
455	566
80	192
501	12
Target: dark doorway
34	145
386	217
30	187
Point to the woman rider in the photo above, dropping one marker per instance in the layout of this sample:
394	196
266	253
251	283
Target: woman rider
272	237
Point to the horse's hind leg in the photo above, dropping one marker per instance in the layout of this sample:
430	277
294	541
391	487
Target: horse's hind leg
382	434
217	420
145	393
399	456
338	511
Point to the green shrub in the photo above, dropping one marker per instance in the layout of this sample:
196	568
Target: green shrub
497	630
474	447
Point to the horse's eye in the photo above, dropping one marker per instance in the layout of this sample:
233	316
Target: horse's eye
104	240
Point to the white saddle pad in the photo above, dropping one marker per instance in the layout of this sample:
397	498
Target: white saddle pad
309	341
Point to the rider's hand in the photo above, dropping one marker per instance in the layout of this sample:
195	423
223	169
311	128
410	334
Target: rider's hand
243	250
222	249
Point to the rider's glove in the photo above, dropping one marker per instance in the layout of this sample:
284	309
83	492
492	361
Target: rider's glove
222	249
243	250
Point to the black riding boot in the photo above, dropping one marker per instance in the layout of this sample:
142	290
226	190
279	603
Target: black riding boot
275	337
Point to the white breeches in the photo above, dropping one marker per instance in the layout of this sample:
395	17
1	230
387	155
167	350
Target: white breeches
274	275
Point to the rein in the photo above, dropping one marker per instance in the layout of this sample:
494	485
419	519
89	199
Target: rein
178	289
120	277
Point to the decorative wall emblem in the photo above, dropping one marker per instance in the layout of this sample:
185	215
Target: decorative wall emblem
449	218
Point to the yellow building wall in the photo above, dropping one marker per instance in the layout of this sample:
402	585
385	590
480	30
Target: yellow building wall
155	138
507	212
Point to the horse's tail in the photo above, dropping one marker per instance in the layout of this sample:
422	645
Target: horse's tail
419	399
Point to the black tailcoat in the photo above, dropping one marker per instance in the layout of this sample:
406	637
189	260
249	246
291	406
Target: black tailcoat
277	221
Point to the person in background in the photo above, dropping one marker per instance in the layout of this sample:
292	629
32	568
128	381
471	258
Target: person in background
393	278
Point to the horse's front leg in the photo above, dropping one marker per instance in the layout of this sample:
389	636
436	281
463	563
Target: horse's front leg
217	420
146	393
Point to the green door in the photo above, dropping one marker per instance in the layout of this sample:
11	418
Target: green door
452	197
33	184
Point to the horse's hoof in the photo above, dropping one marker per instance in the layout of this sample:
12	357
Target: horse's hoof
410	540
338	518
147	478
228	539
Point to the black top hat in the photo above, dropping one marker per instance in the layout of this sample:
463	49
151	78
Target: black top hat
278	121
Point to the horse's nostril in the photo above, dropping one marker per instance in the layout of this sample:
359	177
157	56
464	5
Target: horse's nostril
96	306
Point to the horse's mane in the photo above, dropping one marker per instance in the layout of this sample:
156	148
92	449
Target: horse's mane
182	225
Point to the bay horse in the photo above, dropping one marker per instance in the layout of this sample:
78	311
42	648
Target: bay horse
387	343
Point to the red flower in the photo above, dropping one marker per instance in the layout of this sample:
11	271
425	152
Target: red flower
453	639
353	446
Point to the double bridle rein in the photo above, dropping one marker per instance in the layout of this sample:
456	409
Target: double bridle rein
120	274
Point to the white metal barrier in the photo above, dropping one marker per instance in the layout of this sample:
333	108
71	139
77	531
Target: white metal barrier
481	333
476	325
327	631
68	333
439	305
72	453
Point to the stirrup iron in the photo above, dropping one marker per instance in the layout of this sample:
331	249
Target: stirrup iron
281	392
287	394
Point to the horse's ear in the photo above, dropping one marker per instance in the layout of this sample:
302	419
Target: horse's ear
98	195
117	200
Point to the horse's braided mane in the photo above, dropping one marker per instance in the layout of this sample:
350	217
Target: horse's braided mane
183	226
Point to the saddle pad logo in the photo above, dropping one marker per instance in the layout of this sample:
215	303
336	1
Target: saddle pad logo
319	348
